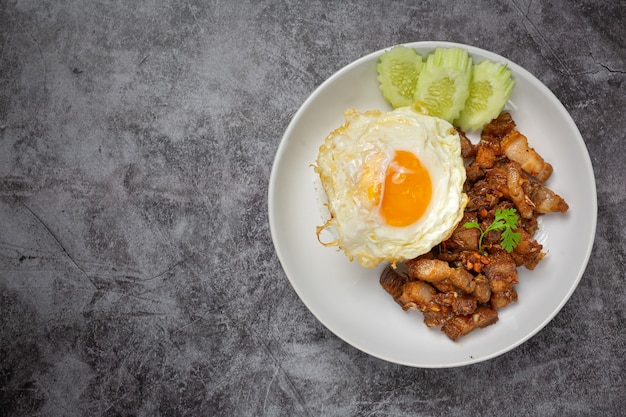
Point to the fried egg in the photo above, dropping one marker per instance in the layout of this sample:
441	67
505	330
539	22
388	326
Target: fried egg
393	183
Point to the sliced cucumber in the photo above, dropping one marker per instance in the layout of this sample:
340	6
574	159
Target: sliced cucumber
398	70
443	84
490	89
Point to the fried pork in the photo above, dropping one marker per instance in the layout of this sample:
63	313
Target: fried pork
454	285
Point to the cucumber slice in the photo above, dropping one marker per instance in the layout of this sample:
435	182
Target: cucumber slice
398	70
443	84
490	89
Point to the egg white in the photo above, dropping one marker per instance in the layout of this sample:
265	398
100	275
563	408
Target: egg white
365	145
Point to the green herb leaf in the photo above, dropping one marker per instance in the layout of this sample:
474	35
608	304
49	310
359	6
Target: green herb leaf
498	224
474	225
509	240
509	217
505	221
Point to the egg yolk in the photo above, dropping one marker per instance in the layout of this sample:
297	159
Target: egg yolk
407	191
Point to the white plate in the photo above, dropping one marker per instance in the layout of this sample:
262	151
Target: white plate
348	298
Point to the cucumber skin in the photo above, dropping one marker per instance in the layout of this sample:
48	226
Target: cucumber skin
449	66
399	92
478	111
455	64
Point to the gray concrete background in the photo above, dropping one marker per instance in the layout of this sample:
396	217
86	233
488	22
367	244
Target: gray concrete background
137	272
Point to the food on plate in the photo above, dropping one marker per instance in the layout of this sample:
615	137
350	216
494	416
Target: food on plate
505	221
443	84
462	282
397	74
449	85
453	219
393	181
490	89
515	147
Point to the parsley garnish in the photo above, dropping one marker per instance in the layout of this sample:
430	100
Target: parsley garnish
505	221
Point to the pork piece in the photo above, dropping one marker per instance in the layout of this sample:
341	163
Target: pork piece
462	238
489	147
468	150
416	295
431	270
446	253
445	306
437	315
528	251
392	282
499	126
515	147
419	295
515	180
491	137
501	272
440	272
502	298
460	304
482	292
446	285
530	225
484	195
473	172
544	199
458	326
488	150
503	180
485	156
409	294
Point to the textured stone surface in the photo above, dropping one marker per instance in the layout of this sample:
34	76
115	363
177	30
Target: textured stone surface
137	272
